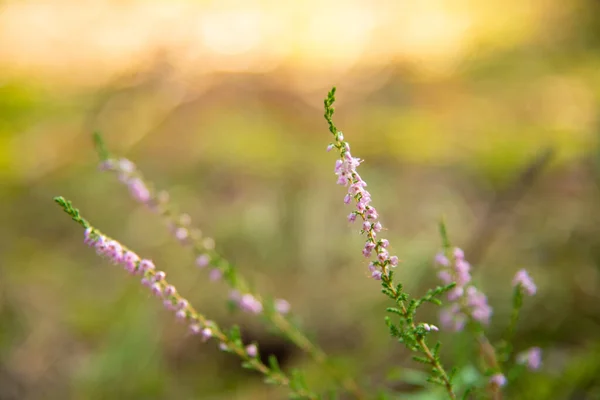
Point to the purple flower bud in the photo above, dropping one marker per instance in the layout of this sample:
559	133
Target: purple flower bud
441	259
146	282
252	350
146	265
206	333
138	190
130	259
523	280
384	243
250	304
170	290
376	275
215	274
159	276
347	199
156	289
168	304
87	237
498	380
182	304
195	329
351	217
394	261
459	254
531	357
282	306
377	227
181	315
366	253
382	256
366	226
331	146
445	277
202	260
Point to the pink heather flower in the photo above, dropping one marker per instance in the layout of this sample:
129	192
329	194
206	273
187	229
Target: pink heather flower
463	275
456	293
445	277
369	246
169	304
531	357
156	289
146	265
252	350
130	259
215	274
361	206
366	253
377	227
440	259
159	276
181	315
498	380
250	304
195	329
366	226
182	304
223	346
351	217
376	275
126	166
394	261
372	213
100	245
202	260
114	251
181	234
138	190
146	282
170	290
459	254
206	333
382	255
106	165
384	243
282	306
87	237
347	199
523	280
331	146
452	318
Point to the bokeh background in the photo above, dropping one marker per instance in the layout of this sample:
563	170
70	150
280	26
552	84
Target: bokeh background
486	113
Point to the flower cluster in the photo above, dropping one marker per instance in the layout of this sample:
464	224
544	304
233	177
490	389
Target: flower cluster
345	169
151	278
466	300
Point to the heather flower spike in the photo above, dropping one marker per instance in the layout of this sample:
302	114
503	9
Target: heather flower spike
198	324
382	267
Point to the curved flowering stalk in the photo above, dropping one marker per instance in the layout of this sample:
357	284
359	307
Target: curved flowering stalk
409	332
469	306
172	300
241	294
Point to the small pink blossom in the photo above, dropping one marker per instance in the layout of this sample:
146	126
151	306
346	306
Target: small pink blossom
215	274
282	306
202	260
532	358
252	350
523	280
498	380
138	190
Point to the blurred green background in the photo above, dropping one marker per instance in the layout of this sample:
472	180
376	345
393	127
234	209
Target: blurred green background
485	112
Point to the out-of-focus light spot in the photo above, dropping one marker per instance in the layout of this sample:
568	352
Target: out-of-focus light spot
232	32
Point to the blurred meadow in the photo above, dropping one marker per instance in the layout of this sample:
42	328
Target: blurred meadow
487	113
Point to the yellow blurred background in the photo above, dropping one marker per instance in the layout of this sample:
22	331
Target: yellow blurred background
486	112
